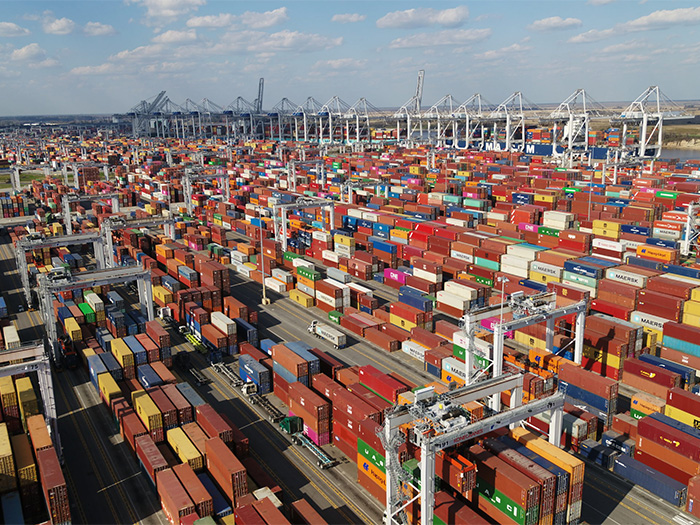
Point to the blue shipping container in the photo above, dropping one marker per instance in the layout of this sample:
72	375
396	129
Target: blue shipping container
147	376
655	482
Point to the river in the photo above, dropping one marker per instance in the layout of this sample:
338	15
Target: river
680	154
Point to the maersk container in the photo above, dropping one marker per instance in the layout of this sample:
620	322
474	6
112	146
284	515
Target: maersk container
654	481
192	397
147	376
95	368
221	506
688	374
250	332
140	354
335	337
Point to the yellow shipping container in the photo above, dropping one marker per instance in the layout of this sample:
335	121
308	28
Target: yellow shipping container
73	329
603	357
8	394
301	298
399	234
146	409
401	322
656	252
650	338
528	340
85	353
344	240
575	467
612	234
24	460
606	225
691	307
448	377
695	294
250	266
8	476
229	519
108	387
692	320
162	294
122	352
682	416
184	448
28	402
647	403
543	277
544	198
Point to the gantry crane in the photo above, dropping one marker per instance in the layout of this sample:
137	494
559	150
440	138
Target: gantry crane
691	230
61	280
111	224
348	186
292	166
527	311
438	423
200	174
33	357
509	116
69	198
279	215
472	112
36	241
411	110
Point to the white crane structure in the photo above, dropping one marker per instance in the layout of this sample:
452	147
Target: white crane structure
111	224
691	229
360	113
443	113
199	174
61	280
410	111
439	422
36	241
471	111
293	164
279	215
69	198
509	117
527	311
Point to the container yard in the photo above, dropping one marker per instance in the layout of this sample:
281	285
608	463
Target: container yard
391	333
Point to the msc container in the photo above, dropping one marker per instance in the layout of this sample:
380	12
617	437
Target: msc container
174	499
147	376
203	501
53	485
654	481
184	448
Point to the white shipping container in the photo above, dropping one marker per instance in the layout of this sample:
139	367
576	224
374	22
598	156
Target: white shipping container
524	252
338	284
431	277
462	256
360	289
546	269
465	292
664	233
630	245
327	299
330	256
282	275
11	337
275	285
395	238
355	212
516	261
370	216
457	222
558	216
455	301
306	289
239	257
303	262
513	270
243	270
455	367
321	236
649	321
558	225
343	250
95	301
606	244
414	350
223	323
627	277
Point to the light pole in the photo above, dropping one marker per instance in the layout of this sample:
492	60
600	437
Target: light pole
503	280
265	299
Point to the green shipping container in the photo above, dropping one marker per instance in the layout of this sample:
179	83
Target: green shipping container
88	312
483	280
334	316
371	455
487	263
309	274
461	353
580	279
290	256
499	500
542	230
637	414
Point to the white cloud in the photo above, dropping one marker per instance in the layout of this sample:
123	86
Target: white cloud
424	17
29	52
340	63
257	20
348	18
58	26
662	19
592	35
99	29
625	46
448	37
221	20
494	54
600	2
139	53
173	36
48	62
168	9
102	69
294	41
554	23
9	29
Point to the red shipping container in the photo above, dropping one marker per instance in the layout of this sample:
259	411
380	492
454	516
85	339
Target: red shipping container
203	502
173	497
54	486
213	424
669	437
652	373
185	412
625	424
167	409
382	384
301	511
150	457
131	428
600	386
226	469
269	512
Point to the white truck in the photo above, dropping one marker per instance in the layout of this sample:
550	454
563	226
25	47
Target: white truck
333	336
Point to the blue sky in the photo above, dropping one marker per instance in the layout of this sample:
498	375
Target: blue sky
104	56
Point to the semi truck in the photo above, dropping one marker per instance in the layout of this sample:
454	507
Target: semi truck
323	331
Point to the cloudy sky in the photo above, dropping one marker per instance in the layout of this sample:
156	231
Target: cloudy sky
66	56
